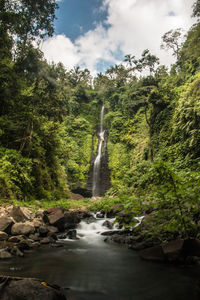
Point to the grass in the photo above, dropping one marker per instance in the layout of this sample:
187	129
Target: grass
33	204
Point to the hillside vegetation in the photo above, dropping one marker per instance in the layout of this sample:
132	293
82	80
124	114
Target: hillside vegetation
49	117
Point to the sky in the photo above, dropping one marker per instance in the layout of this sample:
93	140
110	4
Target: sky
97	34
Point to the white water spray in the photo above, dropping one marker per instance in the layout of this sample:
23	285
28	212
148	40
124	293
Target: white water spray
97	162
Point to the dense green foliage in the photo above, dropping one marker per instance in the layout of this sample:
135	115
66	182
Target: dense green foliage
49	116
45	132
153	125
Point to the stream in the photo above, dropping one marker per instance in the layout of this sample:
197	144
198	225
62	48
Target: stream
90	269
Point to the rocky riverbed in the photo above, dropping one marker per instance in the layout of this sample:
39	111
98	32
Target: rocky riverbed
21	229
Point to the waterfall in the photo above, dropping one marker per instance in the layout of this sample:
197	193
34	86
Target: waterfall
97	162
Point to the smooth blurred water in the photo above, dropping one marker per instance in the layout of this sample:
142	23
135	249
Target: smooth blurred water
97	162
95	270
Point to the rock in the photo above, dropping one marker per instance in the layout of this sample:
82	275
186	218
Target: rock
35	244
40	213
35	237
15	251
138	246
4	254
62	236
52	236
24	245
90	220
108	233
13	288
16	239
99	215
3	236
45	240
37	223
52	229
21	214
43	231
23	228
6	224
153	254
172	250
55	217
72	218
71	234
74	196
108	224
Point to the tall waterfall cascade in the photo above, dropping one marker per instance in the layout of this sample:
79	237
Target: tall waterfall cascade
97	162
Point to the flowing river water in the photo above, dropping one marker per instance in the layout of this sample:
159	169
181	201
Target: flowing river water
90	269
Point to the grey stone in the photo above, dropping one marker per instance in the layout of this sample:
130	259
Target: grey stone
6	224
3	236
22	228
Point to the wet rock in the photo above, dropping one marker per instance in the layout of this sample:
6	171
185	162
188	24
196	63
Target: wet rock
153	254
108	224
13	288
55	217
172	250
23	228
6	224
52	236
100	215
71	234
72	218
138	246
109	233
62	236
21	214
24	245
3	236
15	251
4	254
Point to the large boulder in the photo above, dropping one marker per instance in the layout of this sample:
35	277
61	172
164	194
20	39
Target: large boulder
173	249
28	288
153	254
71	219
6	224
21	214
23	228
177	250
55	217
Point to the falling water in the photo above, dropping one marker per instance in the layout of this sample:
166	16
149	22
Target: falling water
97	162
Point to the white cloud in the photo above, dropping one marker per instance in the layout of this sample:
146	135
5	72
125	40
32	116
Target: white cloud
133	25
60	48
